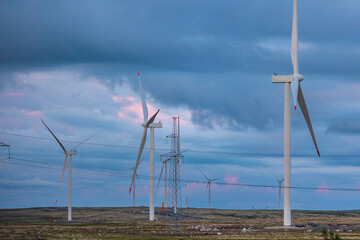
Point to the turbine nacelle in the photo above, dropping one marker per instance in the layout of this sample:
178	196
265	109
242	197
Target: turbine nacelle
71	152
286	78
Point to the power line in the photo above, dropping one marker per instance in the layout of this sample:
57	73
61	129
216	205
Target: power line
126	175
246	154
7	172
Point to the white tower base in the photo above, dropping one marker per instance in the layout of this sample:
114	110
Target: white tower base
287	158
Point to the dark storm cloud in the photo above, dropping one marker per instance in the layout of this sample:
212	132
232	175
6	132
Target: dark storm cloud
186	35
241	39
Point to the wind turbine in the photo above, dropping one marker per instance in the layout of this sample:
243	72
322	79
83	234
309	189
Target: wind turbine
148	123
279	181
208	184
293	82
67	153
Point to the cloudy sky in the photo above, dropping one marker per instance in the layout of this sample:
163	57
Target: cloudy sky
75	64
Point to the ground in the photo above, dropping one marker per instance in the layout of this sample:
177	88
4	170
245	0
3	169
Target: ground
132	223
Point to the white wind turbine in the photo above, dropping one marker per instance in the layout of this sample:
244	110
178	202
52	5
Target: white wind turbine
208	184
67	153
293	82
279	181
148	123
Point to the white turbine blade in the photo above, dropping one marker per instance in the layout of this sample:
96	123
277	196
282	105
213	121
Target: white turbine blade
151	120
141	148
272	173
144	106
162	168
294	90
82	142
304	110
62	175
294	41
63	148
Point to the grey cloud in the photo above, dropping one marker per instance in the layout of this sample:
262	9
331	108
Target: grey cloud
346	127
164	35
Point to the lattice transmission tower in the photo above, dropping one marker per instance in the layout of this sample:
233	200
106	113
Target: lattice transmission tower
175	158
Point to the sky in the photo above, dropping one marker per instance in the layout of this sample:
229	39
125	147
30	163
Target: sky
74	64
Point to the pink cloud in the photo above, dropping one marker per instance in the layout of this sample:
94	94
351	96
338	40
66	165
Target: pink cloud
230	179
15	94
31	113
117	98
323	188
132	109
34	114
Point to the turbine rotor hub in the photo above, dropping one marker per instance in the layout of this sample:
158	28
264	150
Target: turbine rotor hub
299	76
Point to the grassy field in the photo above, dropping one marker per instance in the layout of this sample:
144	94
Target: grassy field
132	223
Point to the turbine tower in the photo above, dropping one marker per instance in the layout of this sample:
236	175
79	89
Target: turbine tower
67	153
148	123
293	82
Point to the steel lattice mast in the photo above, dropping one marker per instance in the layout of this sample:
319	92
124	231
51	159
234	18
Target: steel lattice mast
174	190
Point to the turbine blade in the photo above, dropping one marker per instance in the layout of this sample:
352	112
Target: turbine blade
162	168
141	148
214	179
141	160
151	120
54	136
62	176
272	173
294	90
207	186
137	176
294	41
304	110
144	106
82	142
202	172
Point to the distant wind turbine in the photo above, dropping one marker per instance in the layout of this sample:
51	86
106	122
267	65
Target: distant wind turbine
293	82
148	123
279	181
67	153
208	184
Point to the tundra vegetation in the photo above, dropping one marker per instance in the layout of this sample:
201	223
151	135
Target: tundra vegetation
132	223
